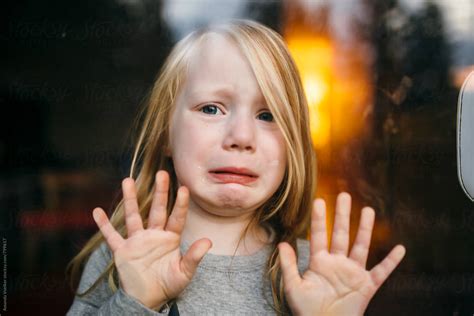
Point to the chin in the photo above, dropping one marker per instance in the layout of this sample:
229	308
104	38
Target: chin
227	203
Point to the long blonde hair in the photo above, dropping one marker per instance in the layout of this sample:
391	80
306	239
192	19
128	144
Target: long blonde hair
288	211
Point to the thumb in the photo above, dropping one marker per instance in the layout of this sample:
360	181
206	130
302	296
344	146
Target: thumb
194	255
289	267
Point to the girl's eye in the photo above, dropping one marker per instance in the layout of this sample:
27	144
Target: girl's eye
209	109
266	116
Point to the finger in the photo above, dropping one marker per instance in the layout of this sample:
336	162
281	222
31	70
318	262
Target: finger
289	267
381	271
157	218
194	255
319	238
112	237
360	249
178	216
340	234
133	219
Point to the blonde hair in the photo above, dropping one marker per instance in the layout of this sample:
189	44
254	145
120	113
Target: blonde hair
288	211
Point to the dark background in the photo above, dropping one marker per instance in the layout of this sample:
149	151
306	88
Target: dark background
74	75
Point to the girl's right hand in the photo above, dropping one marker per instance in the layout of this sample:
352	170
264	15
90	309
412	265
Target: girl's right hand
149	263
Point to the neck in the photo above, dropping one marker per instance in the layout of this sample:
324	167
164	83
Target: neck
224	232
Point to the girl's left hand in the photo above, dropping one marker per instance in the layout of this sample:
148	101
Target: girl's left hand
334	283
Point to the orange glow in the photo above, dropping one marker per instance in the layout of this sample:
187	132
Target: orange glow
336	74
313	57
337	97
337	85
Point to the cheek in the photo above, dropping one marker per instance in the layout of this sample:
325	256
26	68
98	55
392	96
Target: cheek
187	144
276	157
182	137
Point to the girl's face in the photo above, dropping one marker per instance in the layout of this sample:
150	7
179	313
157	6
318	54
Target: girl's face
220	121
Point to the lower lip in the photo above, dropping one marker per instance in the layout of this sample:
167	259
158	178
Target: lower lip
233	178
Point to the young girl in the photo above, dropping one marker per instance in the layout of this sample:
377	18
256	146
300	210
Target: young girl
216	220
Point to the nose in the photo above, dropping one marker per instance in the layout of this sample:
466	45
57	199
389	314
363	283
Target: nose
240	133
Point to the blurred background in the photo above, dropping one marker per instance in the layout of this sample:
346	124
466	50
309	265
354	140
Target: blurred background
382	78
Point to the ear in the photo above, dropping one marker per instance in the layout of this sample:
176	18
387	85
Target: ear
465	136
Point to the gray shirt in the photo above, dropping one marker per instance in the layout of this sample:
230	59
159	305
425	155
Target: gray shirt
222	285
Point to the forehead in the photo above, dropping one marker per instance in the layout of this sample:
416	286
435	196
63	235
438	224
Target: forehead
215	52
218	61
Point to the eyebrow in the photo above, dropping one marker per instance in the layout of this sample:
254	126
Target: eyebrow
223	91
